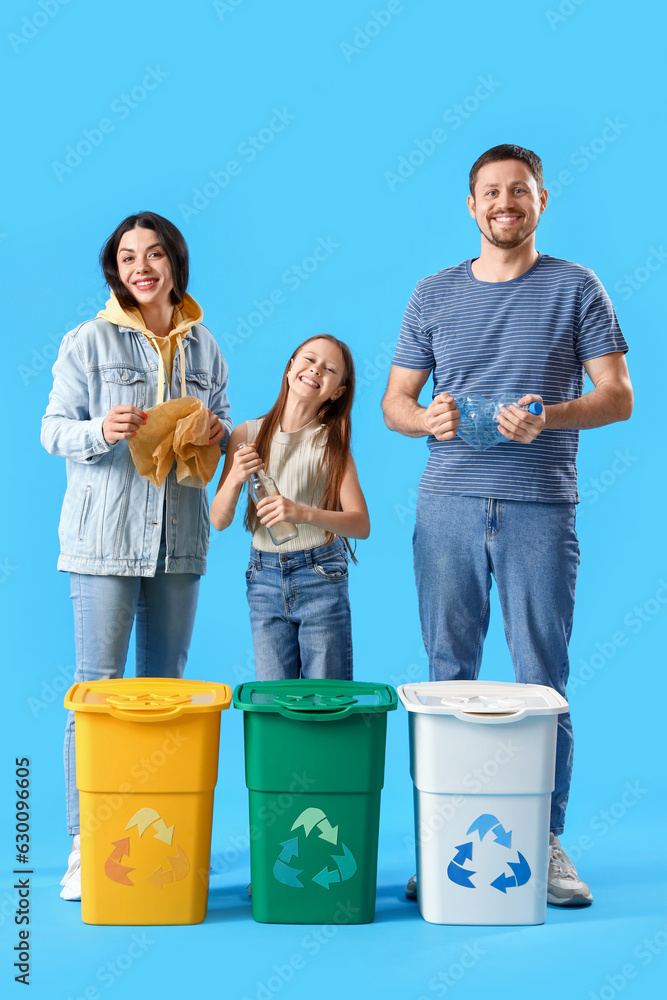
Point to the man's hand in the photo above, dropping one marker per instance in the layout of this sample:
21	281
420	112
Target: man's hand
520	425
216	431
122	423
441	418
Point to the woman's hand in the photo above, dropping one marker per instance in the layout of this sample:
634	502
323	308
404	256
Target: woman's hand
246	461
121	423
273	510
216	431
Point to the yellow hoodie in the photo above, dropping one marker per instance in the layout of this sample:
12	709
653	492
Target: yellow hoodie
186	314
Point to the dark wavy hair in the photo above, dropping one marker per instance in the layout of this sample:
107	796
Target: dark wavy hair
171	241
335	418
508	152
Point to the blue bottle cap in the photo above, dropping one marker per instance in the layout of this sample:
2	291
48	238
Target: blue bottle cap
535	408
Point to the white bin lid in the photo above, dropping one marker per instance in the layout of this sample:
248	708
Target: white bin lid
482	701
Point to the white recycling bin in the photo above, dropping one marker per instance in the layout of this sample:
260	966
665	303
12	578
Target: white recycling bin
482	759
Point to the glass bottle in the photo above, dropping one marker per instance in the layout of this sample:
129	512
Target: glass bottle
261	485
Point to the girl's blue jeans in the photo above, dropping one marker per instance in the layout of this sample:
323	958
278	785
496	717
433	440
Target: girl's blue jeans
105	609
532	552
300	613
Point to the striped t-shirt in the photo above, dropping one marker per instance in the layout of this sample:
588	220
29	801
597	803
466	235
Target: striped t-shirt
530	334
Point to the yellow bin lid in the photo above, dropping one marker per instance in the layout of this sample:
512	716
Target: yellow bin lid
148	699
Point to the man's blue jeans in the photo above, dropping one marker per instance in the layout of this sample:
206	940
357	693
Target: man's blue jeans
300	613
105	608
531	550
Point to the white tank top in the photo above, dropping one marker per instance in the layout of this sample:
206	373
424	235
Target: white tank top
294	464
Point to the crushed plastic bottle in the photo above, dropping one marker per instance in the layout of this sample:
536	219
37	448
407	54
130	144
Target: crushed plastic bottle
478	424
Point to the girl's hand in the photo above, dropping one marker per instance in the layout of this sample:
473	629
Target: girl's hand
246	461
121	423
273	510
216	431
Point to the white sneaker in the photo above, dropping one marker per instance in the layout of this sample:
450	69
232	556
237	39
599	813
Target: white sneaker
564	887
71	880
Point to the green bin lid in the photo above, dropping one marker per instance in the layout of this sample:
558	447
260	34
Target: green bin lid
322	701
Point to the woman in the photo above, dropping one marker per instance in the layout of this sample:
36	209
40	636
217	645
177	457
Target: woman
134	551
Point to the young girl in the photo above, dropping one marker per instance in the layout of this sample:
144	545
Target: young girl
297	592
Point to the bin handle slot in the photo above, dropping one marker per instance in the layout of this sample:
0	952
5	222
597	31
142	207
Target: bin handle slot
506	709
147	705
300	706
497	718
146	715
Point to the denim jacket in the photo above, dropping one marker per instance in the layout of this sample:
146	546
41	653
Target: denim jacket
111	519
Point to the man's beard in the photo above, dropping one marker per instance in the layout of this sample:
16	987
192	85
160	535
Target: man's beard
507	244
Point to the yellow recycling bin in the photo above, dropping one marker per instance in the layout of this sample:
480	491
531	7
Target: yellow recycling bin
146	768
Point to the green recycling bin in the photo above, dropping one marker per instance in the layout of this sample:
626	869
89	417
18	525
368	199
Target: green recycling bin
314	757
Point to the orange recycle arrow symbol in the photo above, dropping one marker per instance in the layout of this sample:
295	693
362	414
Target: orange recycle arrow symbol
180	866
112	867
122	849
159	876
179	863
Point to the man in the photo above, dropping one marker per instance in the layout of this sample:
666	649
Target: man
512	319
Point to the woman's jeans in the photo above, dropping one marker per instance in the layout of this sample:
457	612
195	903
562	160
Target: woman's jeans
300	613
105	609
531	550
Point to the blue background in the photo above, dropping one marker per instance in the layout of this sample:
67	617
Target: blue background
360	98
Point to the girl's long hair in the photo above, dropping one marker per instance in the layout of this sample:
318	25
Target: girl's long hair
335	416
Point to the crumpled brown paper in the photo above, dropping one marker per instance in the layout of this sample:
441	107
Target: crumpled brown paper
177	429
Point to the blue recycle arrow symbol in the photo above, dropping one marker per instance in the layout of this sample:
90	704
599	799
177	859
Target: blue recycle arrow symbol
504	882
483	824
502	836
464	853
290	850
522	873
460	875
521	869
287	875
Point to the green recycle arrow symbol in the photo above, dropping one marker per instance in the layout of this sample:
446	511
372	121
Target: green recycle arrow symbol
325	877
282	870
310	819
315	817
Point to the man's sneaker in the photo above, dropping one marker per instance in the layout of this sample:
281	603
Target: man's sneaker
411	888
71	880
564	887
